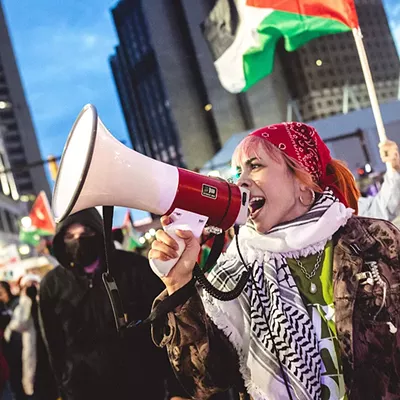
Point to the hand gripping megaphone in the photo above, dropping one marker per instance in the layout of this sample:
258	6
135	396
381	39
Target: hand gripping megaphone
97	170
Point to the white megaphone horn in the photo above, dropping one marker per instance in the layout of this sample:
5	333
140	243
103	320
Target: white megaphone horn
97	170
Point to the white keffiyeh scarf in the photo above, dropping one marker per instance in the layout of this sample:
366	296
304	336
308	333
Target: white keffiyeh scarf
272	298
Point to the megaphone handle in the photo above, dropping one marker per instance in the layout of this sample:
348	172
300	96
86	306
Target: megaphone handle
162	268
183	220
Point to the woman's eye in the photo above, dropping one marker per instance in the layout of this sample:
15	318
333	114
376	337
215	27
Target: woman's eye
255	166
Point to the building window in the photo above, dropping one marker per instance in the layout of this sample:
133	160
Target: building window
16	150
22	175
12	127
25	187
9	114
13	139
11	222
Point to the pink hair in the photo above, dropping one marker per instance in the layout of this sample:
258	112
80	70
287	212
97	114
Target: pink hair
250	146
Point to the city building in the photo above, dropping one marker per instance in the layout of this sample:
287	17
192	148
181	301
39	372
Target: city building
18	147
325	76
18	136
141	90
174	106
163	40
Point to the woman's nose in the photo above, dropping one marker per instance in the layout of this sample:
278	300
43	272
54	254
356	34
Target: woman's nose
244	182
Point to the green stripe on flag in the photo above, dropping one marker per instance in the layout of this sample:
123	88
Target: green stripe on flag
30	237
296	29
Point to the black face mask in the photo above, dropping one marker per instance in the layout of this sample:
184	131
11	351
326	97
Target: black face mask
84	250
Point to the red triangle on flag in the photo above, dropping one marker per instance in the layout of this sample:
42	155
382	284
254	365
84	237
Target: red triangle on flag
41	215
128	221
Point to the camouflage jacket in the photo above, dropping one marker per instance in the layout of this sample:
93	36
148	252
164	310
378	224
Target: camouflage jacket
368	329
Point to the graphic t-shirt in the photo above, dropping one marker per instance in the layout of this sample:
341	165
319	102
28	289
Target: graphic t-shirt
322	313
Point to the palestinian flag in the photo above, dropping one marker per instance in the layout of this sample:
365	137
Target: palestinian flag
42	222
242	34
41	216
131	237
29	236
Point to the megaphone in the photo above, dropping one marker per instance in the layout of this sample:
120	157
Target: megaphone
97	170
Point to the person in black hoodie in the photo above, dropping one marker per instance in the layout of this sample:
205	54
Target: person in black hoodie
88	357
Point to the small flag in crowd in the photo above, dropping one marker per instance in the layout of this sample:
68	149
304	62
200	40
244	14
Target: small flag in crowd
42	221
242	34
131	237
41	216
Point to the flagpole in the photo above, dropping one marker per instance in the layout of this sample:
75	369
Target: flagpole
370	87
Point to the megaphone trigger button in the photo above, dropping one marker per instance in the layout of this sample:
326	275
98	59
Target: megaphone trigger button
244	198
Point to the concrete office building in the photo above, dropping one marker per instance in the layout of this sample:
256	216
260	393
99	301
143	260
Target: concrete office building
325	75
18	146
18	134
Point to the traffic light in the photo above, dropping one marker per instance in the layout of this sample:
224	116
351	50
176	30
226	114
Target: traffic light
53	167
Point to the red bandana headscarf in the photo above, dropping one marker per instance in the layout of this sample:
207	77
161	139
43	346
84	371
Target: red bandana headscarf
302	142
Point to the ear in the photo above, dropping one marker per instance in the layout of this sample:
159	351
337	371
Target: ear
303	188
300	187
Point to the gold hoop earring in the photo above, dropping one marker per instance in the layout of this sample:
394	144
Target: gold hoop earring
312	199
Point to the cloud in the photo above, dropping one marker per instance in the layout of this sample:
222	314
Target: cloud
65	55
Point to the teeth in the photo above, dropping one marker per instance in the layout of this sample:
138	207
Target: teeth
255	204
254	199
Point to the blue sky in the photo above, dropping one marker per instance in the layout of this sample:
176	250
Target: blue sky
62	49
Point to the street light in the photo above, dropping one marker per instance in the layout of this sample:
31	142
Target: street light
53	167
24	250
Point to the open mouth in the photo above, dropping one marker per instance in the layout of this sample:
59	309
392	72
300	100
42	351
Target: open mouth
255	205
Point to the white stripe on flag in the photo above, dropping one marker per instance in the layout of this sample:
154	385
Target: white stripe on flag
230	65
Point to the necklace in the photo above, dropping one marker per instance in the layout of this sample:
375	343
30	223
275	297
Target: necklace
310	275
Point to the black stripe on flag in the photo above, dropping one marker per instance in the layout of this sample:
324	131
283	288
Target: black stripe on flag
221	26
